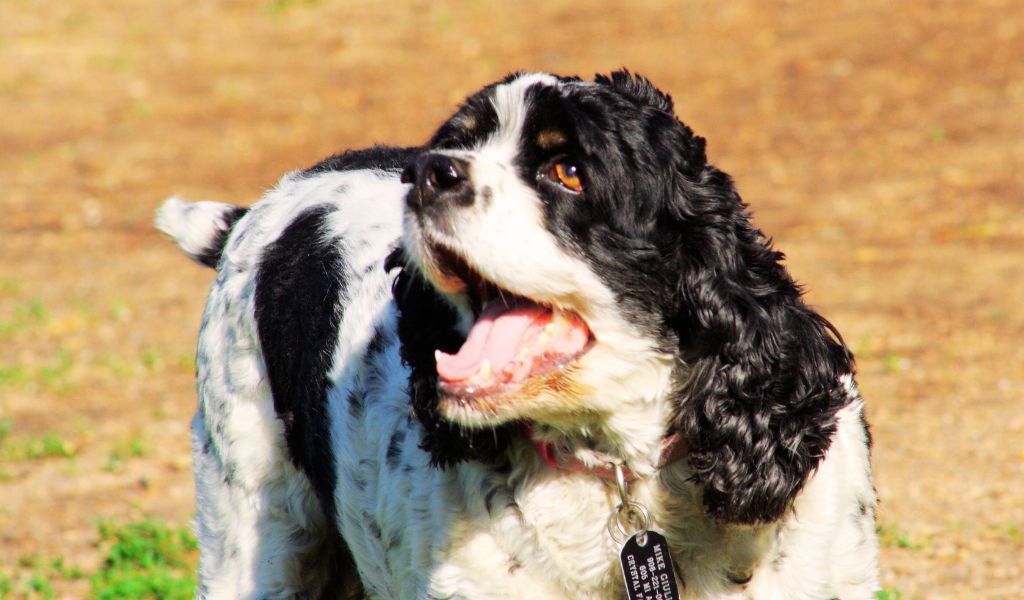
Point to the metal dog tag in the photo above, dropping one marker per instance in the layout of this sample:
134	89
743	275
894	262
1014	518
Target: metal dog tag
647	567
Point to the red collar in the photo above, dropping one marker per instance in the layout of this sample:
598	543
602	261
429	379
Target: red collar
673	447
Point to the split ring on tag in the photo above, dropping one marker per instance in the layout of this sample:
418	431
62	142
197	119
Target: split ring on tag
629	519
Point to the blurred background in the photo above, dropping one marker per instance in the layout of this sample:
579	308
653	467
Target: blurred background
881	144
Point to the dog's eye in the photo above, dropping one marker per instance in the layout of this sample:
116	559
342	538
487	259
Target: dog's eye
567	175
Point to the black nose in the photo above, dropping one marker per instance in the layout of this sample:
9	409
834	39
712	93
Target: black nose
438	179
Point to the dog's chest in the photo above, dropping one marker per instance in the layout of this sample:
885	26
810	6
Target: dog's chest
465	531
473	531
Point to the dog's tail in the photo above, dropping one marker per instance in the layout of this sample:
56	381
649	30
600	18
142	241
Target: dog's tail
199	228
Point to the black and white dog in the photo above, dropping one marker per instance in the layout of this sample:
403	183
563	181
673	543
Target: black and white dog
419	368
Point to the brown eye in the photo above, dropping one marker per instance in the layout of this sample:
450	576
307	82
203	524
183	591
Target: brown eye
567	175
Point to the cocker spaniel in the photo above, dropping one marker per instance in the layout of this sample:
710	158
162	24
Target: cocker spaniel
502	364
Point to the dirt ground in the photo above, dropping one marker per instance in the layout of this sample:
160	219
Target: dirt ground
881	144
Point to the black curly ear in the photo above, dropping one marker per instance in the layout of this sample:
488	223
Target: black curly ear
660	122
637	87
760	371
426	322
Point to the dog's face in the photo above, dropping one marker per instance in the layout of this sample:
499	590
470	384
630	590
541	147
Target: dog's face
601	271
535	212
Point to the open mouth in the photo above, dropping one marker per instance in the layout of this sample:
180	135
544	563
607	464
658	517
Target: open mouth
513	340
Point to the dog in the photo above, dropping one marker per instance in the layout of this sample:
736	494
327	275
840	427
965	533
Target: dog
472	369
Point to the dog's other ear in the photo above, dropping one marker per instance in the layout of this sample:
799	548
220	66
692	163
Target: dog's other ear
760	372
637	87
660	123
427	322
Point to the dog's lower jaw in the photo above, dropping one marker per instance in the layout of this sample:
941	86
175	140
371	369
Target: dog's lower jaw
555	395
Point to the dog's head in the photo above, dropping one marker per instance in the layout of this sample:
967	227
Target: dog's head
579	265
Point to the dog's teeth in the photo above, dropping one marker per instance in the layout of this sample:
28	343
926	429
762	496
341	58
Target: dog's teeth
485	370
437	355
543	339
559	321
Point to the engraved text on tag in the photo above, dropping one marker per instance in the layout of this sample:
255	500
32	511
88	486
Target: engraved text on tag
648	568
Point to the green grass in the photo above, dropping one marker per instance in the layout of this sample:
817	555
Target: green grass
56	376
145	560
9	286
6	427
276	8
26	315
894	363
892	535
115	365
186	361
13	377
1014	533
119	310
51	445
39	586
123	450
38	582
153	360
6	585
141	108
150	361
937	133
889	594
72	572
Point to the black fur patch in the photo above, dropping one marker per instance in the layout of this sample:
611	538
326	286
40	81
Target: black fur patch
299	291
378	343
387	158
356	400
475	120
394	452
426	323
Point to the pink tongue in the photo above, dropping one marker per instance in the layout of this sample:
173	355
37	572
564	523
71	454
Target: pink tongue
495	336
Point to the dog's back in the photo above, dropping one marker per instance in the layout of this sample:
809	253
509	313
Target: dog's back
289	270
